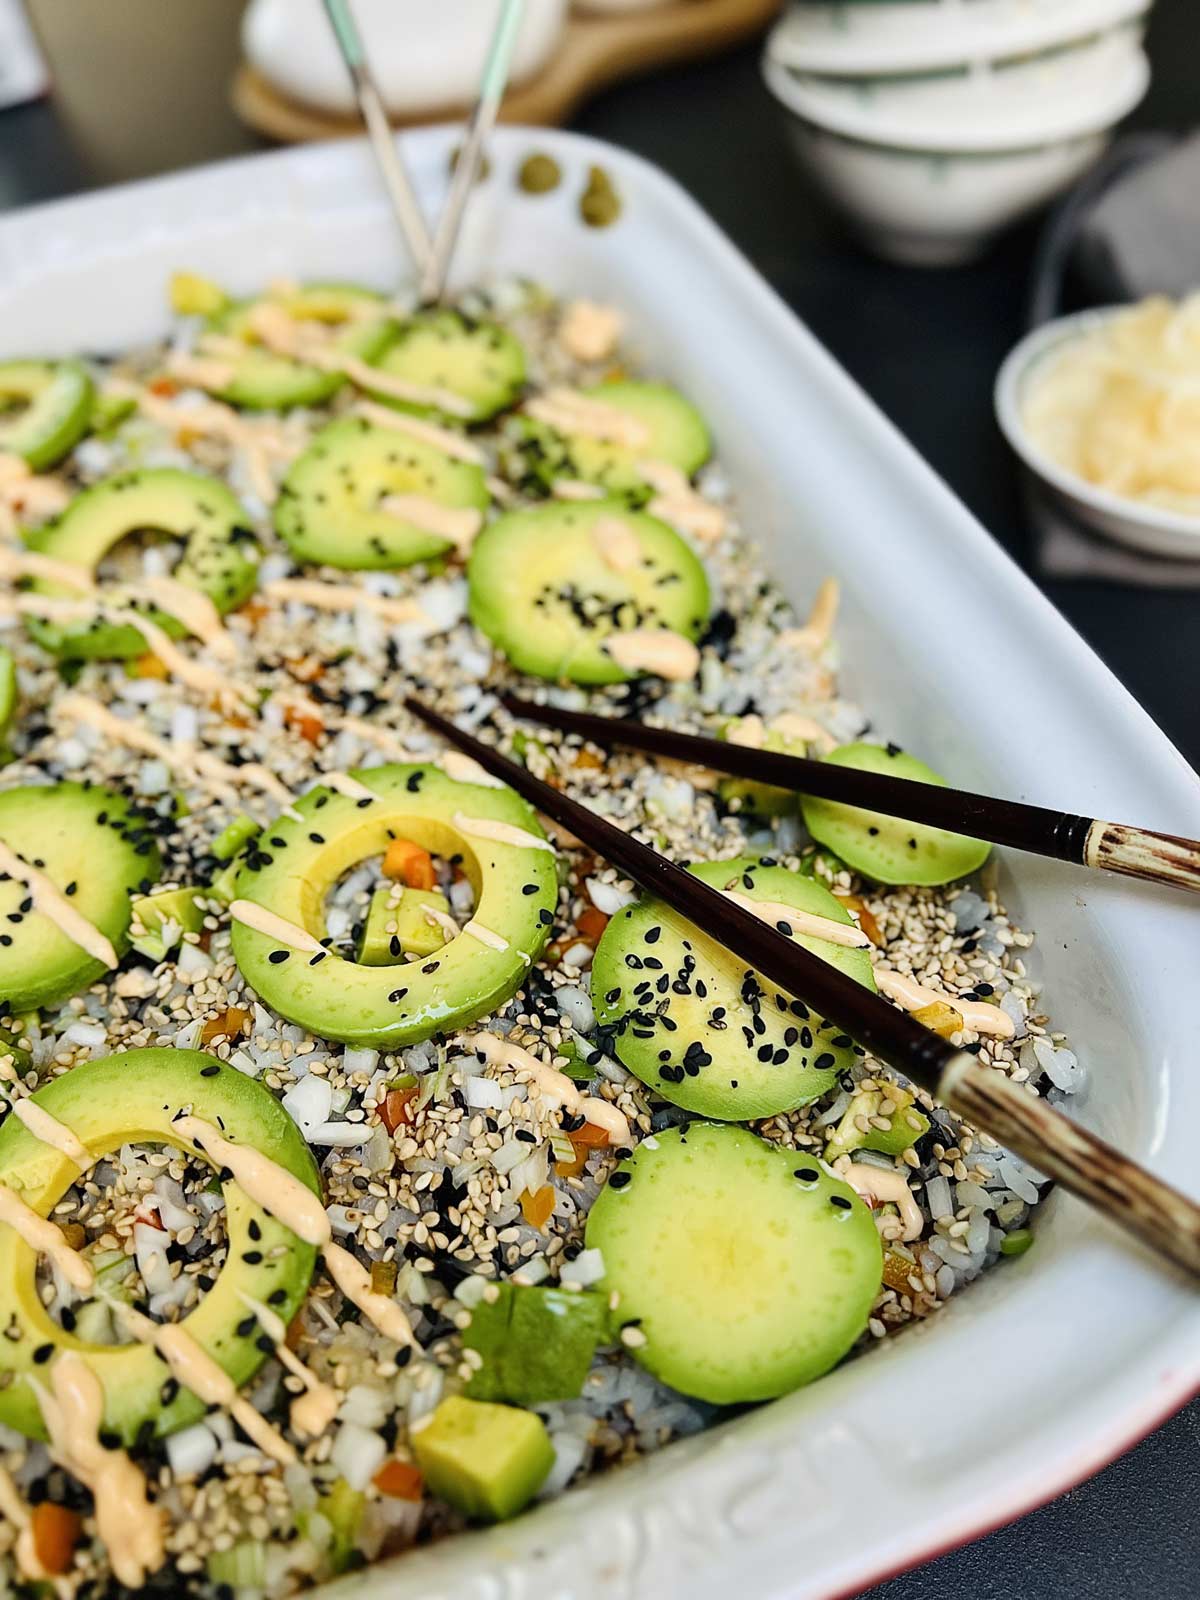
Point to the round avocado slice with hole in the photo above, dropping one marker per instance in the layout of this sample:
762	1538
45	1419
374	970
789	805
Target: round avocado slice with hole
130	1098
342	502
264	381
296	863
98	850
554	585
220	556
696	1025
45	409
743	1269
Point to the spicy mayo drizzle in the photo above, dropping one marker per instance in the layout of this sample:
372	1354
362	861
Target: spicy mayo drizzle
913	996
801	922
42	1235
54	905
555	1086
51	1131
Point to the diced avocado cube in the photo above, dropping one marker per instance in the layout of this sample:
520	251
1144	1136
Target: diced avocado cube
537	1344
395	929
231	838
161	920
487	1461
194	296
222	886
109	411
576	1066
890	1141
343	1508
13	1055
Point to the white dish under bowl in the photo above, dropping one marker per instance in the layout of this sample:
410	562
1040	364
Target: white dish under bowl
930	208
1048	1367
1154	528
852	38
986	108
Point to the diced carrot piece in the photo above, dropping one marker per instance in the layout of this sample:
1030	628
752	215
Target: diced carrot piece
408	862
572	1168
866	920
149	666
590	1135
399	1480
74	1233
295	1333
305	723
254	610
537	1208
230	1024
55	1531
164	386
397	1108
591	924
588	760
307	669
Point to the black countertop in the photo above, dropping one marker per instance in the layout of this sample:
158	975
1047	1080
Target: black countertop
924	344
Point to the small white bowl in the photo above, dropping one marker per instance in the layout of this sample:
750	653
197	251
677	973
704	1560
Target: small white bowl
1154	528
849	39
942	206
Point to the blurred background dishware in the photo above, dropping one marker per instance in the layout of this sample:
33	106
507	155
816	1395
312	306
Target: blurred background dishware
933	124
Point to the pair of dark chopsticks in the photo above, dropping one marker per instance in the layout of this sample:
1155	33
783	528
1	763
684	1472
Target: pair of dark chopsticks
1143	1205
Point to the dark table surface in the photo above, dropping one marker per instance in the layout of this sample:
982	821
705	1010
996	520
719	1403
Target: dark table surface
141	88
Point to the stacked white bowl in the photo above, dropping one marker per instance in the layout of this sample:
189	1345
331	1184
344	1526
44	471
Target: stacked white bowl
933	124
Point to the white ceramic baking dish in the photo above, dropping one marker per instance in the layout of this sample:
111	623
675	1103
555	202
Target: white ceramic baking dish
1052	1364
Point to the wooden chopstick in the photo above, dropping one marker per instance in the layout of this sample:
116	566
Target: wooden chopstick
1113	846
1160	1216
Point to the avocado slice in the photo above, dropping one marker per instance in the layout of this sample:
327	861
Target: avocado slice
716	1040
537	1343
45	408
161	920
398	927
477	360
301	857
329	507
544	591
97	849
131	1097
220	554
233	836
487	1461
674	432
8	692
195	296
745	1269
265	381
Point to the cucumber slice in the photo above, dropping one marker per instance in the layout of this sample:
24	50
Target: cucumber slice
888	849
691	1022
266	382
477	360
673	432
746	1269
220	555
51	402
542	589
329	506
133	1097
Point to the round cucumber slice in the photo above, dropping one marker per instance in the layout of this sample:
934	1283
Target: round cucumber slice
297	862
220	554
94	847
479	361
747	1269
45	408
691	1021
329	507
888	849
130	1098
673	431
263	381
543	589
